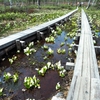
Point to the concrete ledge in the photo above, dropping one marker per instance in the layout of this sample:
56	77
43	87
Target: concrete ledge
69	66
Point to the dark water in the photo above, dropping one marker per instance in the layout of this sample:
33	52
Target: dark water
24	67
97	50
97	44
55	57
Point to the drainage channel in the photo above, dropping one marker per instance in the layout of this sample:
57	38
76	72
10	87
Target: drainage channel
21	38
46	59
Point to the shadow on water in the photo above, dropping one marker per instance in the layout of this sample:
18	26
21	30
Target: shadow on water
24	67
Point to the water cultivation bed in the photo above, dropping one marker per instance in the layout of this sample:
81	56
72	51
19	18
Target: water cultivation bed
39	71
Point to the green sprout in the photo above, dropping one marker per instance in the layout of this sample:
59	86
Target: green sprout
48	65
14	57
58	86
62	73
31	44
50	51
54	33
61	51
42	71
45	47
58	29
30	82
29	51
59	66
1	91
50	39
18	51
15	77
33	50
7	76
45	57
94	41
11	60
62	44
36	82
66	38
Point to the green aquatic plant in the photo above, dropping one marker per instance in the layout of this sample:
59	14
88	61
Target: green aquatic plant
7	76
62	73
18	51
15	77
28	51
33	50
1	91
72	45
48	65
42	71
59	66
62	44
65	38
61	51
59	31
45	47
58	86
36	82
71	34
45	57
30	82
50	51
50	39
54	33
11	60
14	57
94	41
31	44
